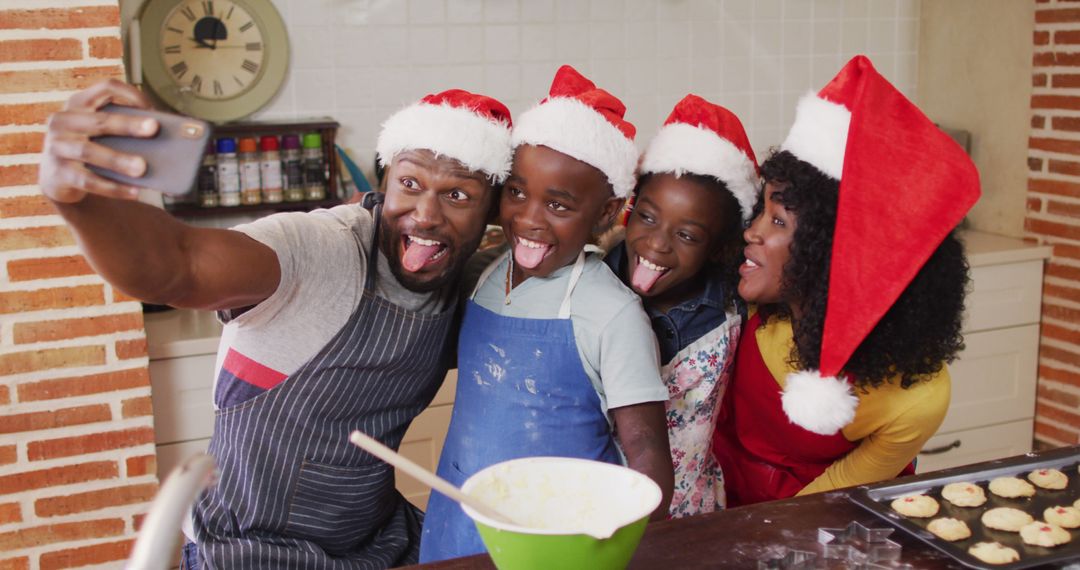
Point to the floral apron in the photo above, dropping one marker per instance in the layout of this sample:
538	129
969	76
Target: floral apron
696	378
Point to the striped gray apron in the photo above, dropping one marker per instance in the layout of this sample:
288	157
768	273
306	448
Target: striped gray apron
293	492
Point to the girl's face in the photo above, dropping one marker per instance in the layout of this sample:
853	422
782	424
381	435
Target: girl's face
550	206
673	232
768	249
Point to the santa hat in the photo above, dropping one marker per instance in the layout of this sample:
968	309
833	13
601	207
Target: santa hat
582	121
904	186
702	138
472	129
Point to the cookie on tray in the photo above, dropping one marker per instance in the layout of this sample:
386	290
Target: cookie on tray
1065	517
994	553
963	494
1006	518
949	529
1040	533
1049	479
1011	487
918	506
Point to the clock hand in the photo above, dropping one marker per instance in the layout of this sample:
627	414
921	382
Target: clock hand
201	43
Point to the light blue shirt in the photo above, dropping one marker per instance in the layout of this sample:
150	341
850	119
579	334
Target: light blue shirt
614	337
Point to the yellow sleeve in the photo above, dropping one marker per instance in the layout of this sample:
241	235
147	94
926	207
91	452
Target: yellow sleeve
891	425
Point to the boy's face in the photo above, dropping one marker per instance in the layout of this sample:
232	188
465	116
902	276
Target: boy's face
674	230
550	206
768	249
432	219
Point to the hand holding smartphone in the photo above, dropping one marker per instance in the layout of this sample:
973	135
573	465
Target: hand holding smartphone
172	155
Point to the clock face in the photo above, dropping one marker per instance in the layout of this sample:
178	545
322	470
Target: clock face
212	50
218	60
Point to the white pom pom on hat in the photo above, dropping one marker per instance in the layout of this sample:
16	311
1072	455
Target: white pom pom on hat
819	404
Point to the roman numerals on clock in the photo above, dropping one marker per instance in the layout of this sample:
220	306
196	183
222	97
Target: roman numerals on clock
212	49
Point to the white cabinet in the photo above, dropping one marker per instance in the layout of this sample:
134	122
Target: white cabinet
424	441
992	411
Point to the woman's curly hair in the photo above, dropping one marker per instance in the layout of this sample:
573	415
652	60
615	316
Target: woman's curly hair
731	237
918	334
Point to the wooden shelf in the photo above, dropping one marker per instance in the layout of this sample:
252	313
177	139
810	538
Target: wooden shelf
194	211
327	129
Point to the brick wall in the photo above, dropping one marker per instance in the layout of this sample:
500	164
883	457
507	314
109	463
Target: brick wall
77	463
1053	214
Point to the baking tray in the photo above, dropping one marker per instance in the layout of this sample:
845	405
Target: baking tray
876	498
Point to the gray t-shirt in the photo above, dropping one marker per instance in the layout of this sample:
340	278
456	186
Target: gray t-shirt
324	259
614	337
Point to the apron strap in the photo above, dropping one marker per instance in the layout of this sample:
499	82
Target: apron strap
487	272
373	253
575	276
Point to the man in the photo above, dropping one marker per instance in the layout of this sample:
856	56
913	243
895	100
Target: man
336	320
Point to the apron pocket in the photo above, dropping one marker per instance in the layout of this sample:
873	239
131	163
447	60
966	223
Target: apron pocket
337	507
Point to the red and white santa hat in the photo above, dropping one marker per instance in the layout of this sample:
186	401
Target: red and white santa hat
472	129
703	138
904	185
585	122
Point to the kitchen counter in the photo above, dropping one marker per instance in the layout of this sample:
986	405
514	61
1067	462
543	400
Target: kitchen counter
181	332
741	537
991	249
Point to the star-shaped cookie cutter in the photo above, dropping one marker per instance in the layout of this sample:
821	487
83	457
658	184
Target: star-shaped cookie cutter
791	560
859	544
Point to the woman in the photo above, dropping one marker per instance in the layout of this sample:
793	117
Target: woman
859	282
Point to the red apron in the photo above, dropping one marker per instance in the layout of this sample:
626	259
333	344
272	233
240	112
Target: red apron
763	455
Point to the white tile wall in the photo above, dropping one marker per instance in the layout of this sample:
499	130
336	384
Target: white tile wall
359	60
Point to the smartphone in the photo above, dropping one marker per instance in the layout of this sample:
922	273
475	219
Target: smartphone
172	156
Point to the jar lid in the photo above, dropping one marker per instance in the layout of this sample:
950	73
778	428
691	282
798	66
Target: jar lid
226	145
268	142
248	144
312	140
290	142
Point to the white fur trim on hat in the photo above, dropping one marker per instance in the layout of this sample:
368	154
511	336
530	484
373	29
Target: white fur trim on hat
576	129
819	135
821	404
680	148
479	143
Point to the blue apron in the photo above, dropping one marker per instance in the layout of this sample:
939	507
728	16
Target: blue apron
521	392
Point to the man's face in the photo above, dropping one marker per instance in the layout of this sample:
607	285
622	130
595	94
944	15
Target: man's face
432	219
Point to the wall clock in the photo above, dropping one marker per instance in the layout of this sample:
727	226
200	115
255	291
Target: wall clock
219	60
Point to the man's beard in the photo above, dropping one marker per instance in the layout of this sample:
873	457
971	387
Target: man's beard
408	279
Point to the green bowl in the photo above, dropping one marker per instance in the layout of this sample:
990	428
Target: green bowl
573	513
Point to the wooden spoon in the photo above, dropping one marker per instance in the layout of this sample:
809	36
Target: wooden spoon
370	445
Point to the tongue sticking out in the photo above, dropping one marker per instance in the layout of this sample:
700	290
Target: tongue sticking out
529	257
644	278
416	255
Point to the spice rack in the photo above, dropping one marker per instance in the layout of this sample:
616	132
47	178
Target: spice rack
327	129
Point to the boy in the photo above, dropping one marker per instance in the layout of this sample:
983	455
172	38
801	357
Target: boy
555	354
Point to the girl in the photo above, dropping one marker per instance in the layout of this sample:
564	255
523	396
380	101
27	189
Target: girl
681	254
854	268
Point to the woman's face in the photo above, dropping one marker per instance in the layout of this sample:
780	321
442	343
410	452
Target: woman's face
768	249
